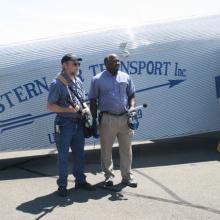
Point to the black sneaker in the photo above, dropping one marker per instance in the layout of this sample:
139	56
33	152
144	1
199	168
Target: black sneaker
62	191
84	185
108	182
130	182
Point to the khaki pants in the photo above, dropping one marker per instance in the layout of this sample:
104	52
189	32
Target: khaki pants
110	128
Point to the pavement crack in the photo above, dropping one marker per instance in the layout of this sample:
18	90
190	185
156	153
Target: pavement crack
183	203
166	189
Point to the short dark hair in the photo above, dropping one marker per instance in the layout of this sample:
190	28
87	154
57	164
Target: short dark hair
106	60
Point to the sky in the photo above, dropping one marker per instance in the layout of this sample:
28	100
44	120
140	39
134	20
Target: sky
22	20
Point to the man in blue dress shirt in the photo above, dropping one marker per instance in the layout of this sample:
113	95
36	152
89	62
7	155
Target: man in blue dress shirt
112	92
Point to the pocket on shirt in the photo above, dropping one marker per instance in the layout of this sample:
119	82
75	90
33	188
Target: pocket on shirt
123	87
123	92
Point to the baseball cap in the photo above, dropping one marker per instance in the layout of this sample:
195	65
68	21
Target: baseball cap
70	57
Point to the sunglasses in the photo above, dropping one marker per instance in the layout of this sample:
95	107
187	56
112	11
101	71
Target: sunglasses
76	64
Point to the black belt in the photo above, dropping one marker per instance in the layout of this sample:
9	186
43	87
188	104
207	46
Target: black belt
76	120
109	113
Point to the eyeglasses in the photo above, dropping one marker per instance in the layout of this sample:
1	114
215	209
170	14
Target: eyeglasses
76	64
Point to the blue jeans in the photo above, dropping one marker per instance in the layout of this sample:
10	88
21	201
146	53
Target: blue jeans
69	134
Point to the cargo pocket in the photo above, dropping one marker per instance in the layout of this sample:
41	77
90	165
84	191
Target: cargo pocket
57	131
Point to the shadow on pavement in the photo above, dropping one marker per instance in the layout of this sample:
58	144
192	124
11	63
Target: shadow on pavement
159	153
46	204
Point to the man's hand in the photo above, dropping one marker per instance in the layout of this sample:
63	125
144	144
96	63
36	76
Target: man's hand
73	109
132	109
132	103
56	108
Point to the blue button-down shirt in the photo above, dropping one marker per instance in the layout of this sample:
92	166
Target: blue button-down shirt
58	94
112	92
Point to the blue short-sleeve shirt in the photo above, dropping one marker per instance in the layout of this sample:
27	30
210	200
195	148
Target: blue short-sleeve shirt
112	92
58	94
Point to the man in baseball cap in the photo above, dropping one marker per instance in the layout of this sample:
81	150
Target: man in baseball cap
66	99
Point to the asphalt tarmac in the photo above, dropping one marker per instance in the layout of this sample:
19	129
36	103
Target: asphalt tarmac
177	179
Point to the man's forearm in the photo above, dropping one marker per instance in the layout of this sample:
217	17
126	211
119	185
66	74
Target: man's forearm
132	101
56	108
93	108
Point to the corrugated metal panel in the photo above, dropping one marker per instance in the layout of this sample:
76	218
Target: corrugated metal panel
190	106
